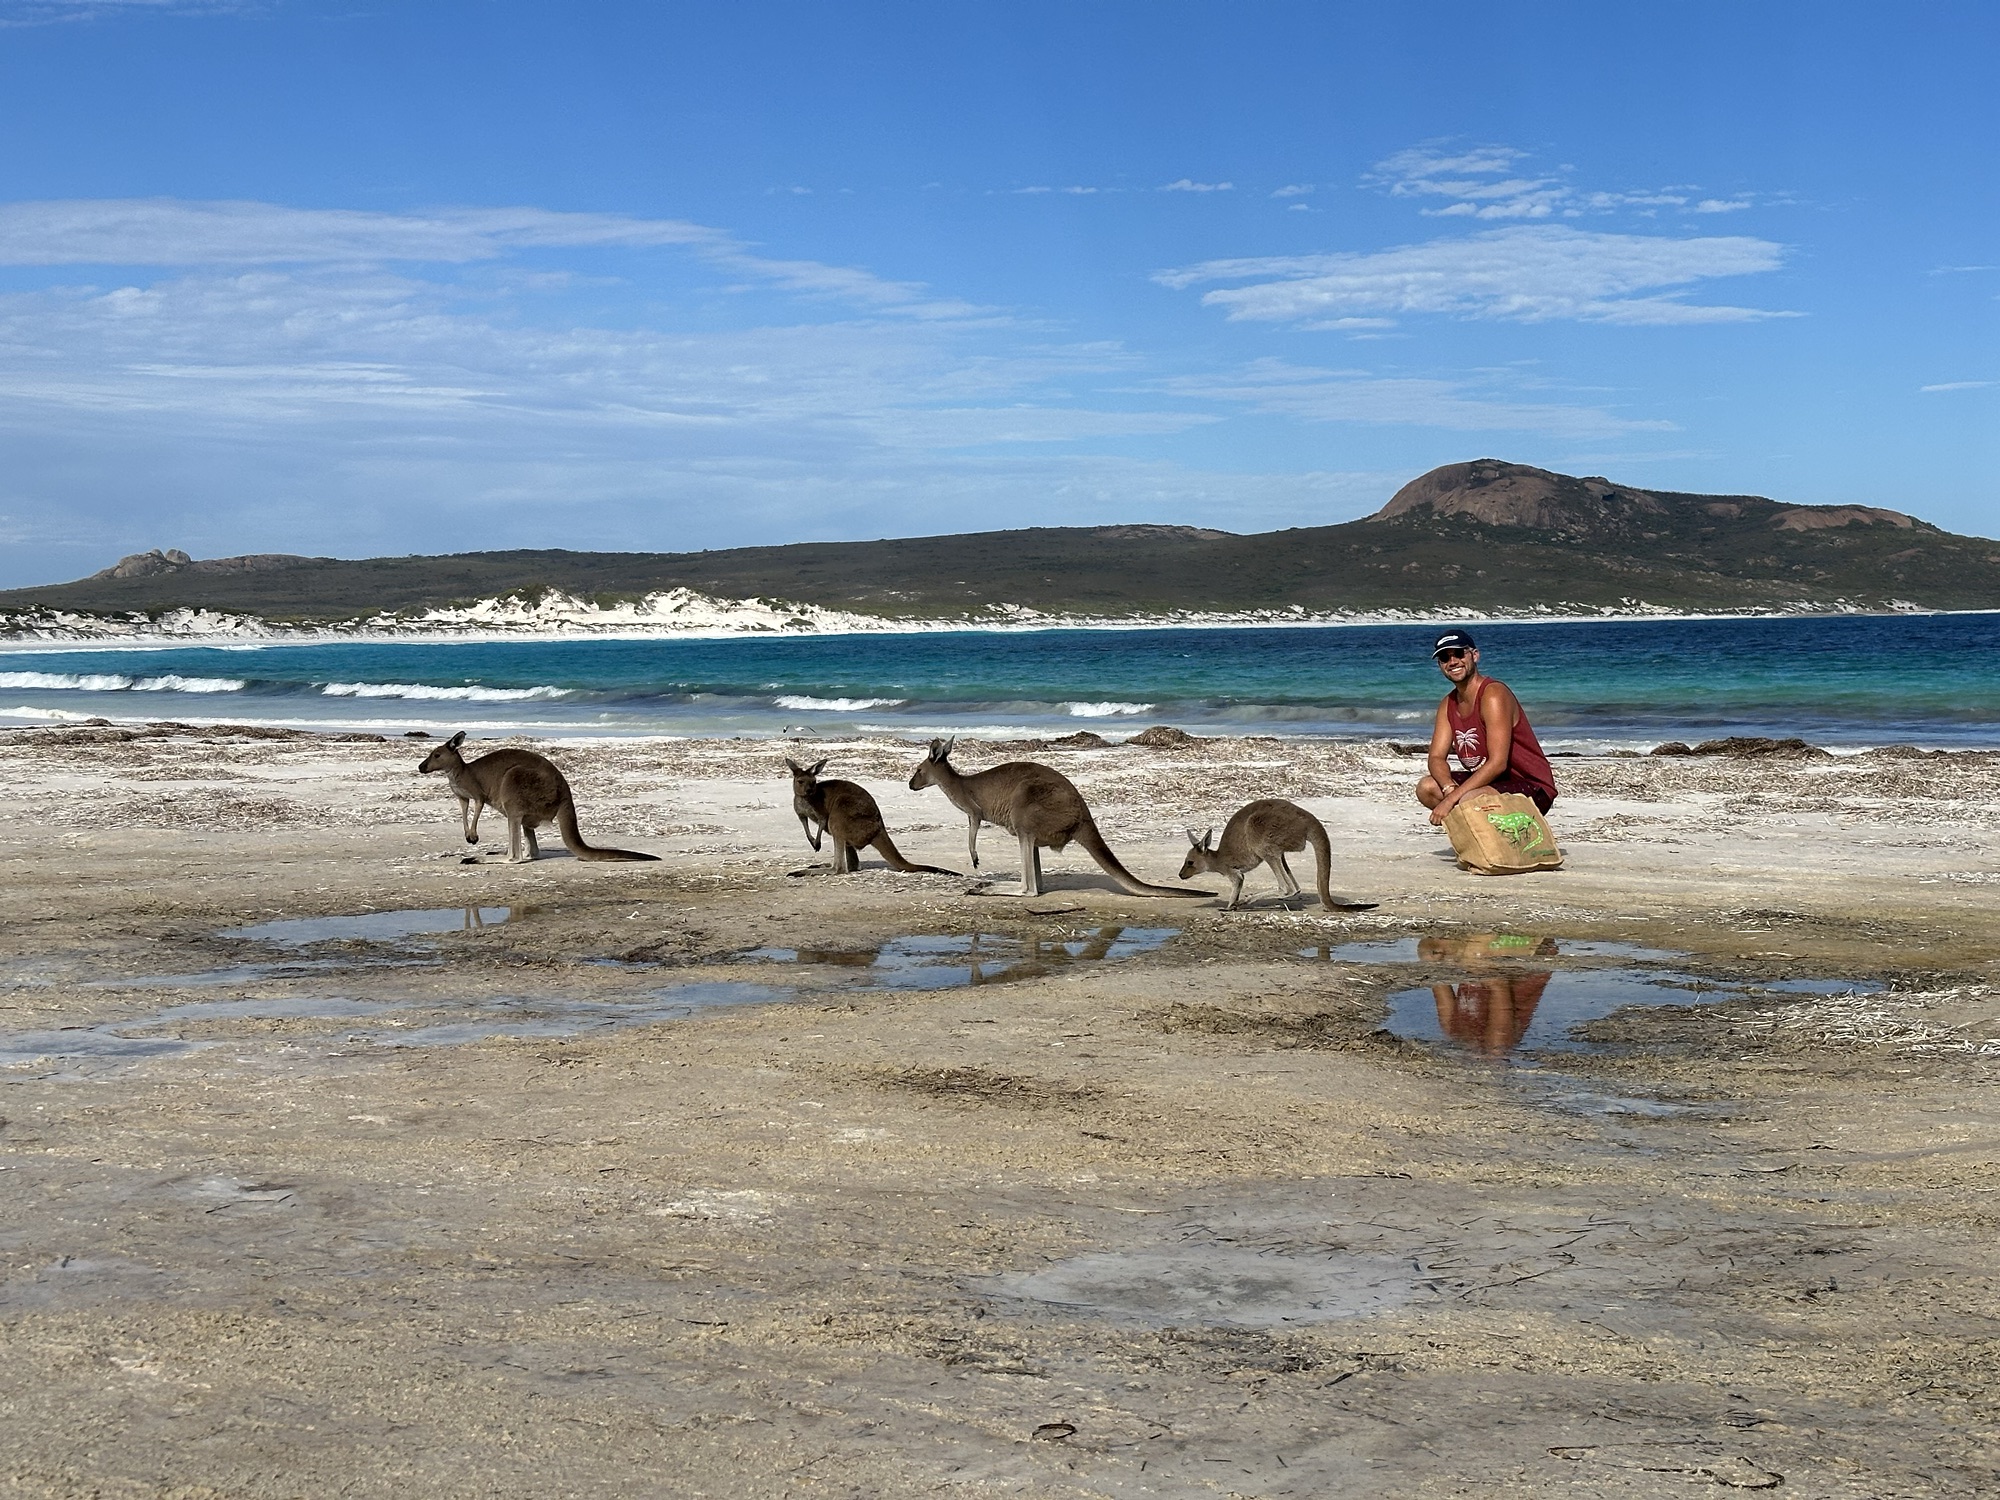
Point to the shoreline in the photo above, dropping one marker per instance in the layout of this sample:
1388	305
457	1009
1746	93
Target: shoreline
250	633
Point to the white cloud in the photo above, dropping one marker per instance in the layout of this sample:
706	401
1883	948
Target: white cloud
1320	395
1294	190
1529	274
1189	185
359	410
46	12
1479	183
1487	182
1957	385
175	232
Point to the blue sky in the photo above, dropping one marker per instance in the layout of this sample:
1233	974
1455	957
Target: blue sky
283	275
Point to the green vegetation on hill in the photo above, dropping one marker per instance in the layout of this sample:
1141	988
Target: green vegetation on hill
1482	536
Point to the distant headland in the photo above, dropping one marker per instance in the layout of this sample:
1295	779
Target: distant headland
1485	539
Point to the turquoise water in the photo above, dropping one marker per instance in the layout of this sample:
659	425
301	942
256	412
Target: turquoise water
1846	681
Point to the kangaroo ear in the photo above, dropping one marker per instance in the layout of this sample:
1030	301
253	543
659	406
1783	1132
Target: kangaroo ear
1193	840
1208	839
818	766
797	769
945	753
455	741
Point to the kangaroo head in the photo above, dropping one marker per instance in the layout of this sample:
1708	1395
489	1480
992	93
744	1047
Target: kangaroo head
445	757
937	755
1200	855
805	778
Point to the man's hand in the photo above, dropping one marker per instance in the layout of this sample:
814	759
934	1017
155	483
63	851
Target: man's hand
1445	804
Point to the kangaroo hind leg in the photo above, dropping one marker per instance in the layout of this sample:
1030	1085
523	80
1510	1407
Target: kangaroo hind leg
1031	866
1288	883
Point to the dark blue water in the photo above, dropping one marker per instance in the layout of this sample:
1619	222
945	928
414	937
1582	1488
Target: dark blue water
1839	681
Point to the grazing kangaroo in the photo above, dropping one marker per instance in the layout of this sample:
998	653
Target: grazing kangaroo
847	812
526	787
1037	805
1263	833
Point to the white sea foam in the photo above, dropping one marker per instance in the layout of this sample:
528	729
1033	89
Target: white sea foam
451	694
836	705
76	682
1105	710
173	682
117	682
43	715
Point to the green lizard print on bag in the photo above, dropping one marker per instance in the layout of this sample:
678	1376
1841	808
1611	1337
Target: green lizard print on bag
1520	829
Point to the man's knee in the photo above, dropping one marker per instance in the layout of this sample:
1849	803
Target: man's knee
1429	792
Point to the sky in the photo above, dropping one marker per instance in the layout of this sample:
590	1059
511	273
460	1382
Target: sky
353	279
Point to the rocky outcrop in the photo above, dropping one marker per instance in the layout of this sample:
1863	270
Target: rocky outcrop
1493	492
1497	493
173	560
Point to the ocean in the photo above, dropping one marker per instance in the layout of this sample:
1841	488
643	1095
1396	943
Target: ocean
1846	682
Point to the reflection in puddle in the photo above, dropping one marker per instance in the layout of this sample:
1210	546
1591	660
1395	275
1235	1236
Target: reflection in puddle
1214	1283
1495	1013
372	926
950	962
514	1016
1485	945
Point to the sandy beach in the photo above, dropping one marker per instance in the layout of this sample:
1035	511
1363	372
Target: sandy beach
708	1177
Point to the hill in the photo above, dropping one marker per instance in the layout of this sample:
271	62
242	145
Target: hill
1482	536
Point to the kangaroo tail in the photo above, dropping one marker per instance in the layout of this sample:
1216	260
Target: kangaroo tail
1323	857
572	837
886	847
1092	843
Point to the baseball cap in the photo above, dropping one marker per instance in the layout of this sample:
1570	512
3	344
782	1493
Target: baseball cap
1452	640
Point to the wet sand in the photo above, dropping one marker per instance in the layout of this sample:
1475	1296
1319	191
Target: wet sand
681	1179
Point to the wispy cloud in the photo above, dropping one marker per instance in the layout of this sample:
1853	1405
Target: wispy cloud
1321	395
50	12
1189	185
1957	385
1294	190
1480	183
365	409
1528	274
1496	182
176	232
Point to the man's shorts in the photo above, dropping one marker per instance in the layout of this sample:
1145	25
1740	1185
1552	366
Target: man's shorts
1541	796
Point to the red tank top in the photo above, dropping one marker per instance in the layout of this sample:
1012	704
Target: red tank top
1468	744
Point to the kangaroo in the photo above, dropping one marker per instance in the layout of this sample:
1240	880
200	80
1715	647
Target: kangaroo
1264	832
1037	805
846	811
528	790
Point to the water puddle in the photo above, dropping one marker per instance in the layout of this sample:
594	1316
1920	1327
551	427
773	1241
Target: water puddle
249	974
955	961
1495	1014
1482	947
1213	1283
1822	987
373	926
393	1023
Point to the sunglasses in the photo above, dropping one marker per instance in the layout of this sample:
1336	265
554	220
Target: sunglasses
1453	653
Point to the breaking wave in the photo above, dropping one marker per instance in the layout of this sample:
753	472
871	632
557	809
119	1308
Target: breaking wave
1104	710
420	690
836	705
113	682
